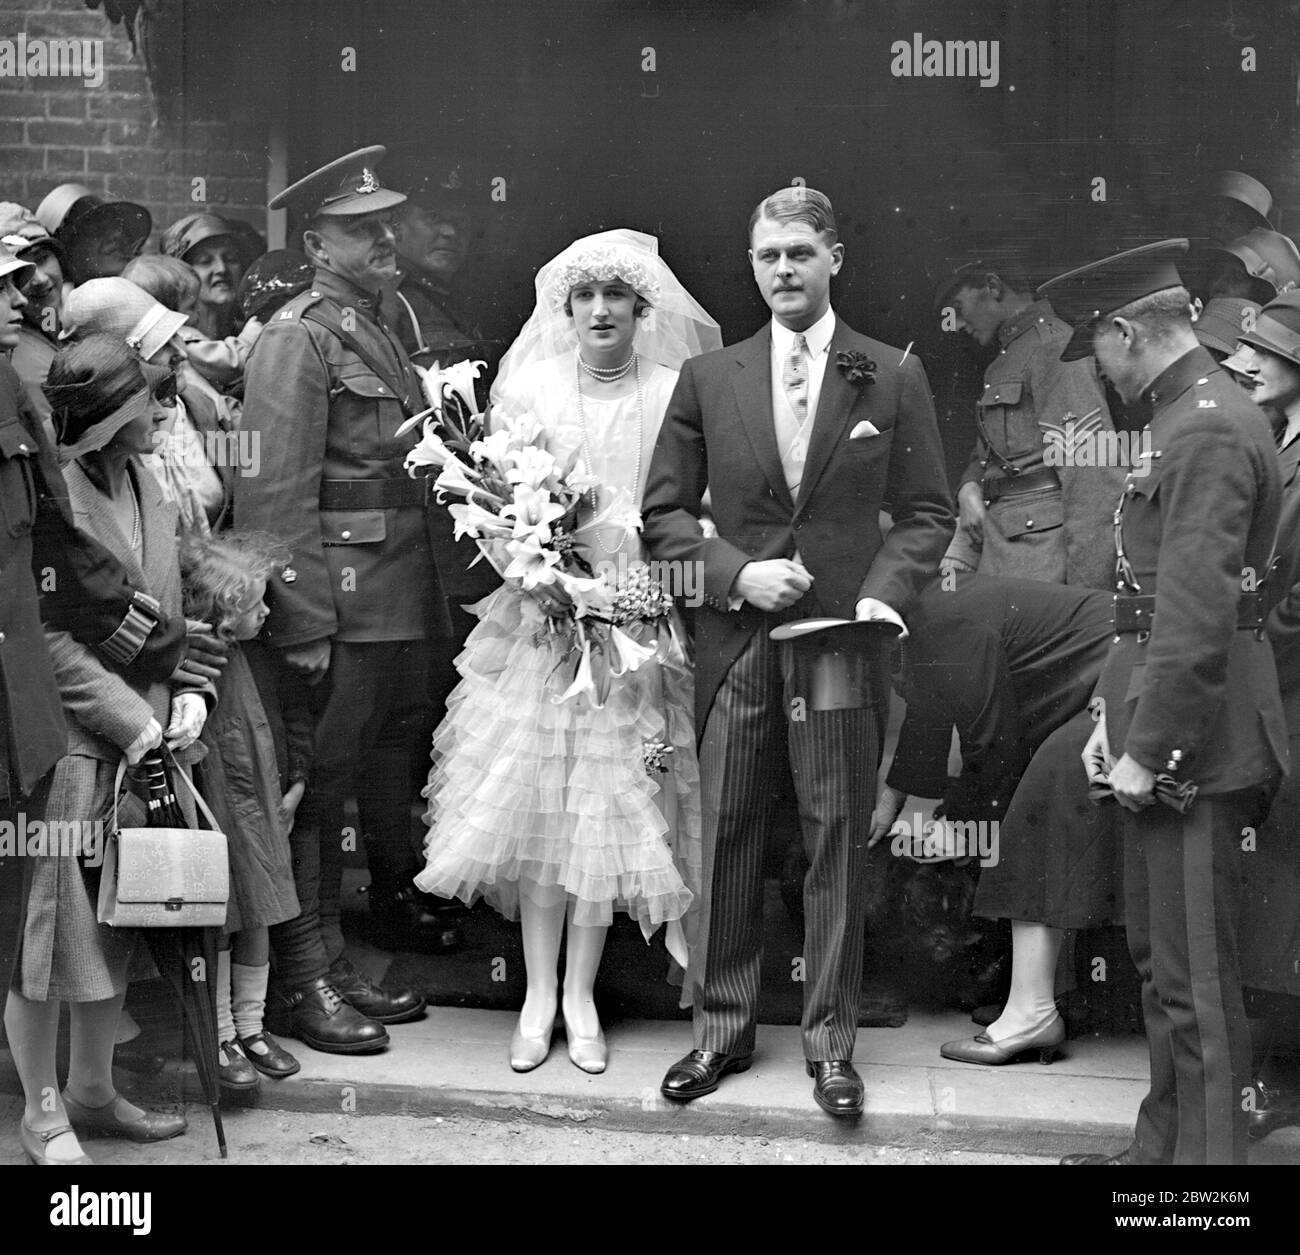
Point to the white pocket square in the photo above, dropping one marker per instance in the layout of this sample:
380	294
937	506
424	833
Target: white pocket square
863	430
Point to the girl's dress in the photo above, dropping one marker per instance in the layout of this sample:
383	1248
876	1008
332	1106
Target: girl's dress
545	798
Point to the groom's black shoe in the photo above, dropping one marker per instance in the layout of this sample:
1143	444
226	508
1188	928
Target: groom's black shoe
837	1087
700	1073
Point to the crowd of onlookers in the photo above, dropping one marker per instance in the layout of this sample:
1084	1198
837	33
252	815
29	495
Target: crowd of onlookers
128	367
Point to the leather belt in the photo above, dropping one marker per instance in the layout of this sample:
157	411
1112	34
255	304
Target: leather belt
374	494
1134	612
996	486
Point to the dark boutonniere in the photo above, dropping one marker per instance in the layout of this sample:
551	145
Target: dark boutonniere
858	368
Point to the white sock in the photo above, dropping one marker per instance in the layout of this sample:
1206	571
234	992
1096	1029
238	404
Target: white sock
225	1019
249	996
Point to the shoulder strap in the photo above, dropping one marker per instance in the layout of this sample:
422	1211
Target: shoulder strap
401	392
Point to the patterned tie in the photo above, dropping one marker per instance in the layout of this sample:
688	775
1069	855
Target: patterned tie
794	378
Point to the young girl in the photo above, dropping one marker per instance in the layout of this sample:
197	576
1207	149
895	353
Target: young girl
225	585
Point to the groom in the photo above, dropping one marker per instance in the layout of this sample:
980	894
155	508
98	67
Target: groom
800	435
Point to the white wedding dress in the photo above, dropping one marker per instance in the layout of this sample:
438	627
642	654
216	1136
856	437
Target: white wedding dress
557	797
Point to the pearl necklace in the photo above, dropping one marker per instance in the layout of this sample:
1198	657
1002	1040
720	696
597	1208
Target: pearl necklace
632	362
607	374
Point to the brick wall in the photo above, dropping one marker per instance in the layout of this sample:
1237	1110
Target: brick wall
110	137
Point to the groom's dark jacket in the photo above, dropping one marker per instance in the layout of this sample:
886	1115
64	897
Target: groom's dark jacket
718	434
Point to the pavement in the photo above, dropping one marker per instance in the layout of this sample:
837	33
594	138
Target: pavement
452	1063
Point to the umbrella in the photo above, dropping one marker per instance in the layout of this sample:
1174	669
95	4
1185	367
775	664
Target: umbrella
186	957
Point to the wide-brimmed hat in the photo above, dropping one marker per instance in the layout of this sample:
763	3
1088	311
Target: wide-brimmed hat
72	209
1085	295
116	306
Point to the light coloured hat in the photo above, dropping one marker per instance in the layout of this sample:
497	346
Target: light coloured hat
10	263
21	229
116	306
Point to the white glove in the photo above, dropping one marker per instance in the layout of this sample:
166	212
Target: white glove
150	738
189	713
872	610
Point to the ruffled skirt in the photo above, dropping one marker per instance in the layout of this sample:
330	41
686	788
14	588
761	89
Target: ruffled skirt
552	800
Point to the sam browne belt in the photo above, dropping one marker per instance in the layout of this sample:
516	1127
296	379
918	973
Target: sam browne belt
375	494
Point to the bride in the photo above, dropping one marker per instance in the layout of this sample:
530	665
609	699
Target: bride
547	808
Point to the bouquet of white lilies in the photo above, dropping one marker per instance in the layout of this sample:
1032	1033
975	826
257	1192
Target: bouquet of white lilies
520	503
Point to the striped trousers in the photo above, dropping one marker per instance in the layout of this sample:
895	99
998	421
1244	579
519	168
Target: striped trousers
1183	880
759	738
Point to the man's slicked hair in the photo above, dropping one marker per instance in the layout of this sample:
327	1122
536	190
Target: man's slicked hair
798	204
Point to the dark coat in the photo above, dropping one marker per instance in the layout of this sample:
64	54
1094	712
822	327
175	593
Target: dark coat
51	571
1007	662
1199	698
718	435
321	413
240	780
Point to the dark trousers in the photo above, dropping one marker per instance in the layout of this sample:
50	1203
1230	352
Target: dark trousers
373	708
759	737
1183	893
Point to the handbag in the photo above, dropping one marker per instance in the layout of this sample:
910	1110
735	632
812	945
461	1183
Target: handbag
164	877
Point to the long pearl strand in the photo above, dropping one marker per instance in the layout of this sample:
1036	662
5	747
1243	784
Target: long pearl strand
635	364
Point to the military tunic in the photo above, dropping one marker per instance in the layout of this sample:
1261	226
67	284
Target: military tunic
327	387
361	570
1195	696
1048	516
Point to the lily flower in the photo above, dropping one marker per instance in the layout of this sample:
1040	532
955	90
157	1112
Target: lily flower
583	682
628	653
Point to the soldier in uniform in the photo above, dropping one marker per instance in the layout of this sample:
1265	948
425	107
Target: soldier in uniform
1189	691
327	386
52	573
1025	512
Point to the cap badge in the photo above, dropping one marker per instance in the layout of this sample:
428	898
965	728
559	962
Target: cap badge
368	181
